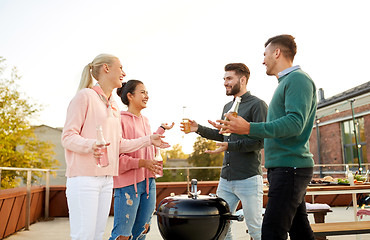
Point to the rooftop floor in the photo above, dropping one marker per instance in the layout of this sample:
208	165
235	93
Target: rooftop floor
58	229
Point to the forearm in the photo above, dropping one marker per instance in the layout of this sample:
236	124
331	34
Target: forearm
287	126
72	141
131	145
245	144
127	163
160	131
209	133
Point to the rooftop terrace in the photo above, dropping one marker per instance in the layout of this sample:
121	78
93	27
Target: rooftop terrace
58	228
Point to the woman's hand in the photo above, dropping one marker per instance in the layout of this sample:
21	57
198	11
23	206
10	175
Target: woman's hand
158	142
153	166
97	151
166	126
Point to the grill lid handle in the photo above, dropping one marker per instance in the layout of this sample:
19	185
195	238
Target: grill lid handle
238	218
194	193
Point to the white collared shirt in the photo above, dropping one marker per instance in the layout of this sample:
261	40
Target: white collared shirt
288	70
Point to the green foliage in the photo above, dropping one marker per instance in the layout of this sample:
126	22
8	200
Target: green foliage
19	146
173	175
178	175
175	153
201	159
197	159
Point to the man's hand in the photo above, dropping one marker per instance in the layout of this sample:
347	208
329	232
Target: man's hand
158	142
233	125
193	126
222	148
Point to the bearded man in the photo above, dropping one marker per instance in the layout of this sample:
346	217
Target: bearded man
241	175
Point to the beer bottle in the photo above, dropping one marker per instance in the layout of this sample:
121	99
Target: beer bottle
185	120
233	110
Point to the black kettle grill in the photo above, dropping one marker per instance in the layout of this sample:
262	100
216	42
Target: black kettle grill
194	216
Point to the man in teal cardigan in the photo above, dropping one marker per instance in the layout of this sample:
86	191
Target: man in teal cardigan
286	132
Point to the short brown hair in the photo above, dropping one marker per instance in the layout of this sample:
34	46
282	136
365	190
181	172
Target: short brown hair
286	43
240	69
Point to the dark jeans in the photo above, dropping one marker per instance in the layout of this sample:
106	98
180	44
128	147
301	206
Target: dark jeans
286	207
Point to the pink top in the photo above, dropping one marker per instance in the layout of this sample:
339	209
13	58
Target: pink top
129	171
85	112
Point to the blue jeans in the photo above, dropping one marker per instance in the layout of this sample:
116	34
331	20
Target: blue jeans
250	192
132	213
286	207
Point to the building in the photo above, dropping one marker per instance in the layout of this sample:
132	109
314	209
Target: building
171	163
53	136
341	134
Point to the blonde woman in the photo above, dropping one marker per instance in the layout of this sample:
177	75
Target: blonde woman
89	187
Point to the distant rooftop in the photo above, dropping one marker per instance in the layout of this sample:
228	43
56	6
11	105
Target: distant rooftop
46	126
350	93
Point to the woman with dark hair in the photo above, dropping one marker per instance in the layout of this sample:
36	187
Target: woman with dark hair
89	187
134	187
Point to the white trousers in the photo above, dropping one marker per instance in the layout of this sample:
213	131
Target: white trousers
89	201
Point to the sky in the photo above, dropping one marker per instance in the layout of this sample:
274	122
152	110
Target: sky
179	49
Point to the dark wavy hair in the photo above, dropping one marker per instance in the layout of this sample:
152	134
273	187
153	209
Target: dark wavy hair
240	69
286	43
127	87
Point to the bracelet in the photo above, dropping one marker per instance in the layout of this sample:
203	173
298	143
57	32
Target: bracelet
163	127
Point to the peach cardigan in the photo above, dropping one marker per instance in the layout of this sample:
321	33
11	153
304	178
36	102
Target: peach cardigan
85	112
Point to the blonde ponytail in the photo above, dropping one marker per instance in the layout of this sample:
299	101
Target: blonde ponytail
86	78
92	70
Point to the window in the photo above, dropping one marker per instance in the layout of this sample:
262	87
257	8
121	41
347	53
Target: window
349	141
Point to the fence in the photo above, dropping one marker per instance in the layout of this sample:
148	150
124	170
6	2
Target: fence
28	195
320	170
323	169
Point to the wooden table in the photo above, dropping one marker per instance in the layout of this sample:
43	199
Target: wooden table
340	228
336	189
319	214
340	189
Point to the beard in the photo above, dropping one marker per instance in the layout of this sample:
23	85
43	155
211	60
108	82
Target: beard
269	72
234	89
270	67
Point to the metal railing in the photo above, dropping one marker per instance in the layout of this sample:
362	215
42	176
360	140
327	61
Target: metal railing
365	167
28	194
319	172
188	172
47	180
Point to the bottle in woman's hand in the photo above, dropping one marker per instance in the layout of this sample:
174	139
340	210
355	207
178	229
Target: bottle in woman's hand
159	159
102	145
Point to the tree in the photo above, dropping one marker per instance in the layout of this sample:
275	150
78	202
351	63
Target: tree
175	153
19	146
201	159
173	175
